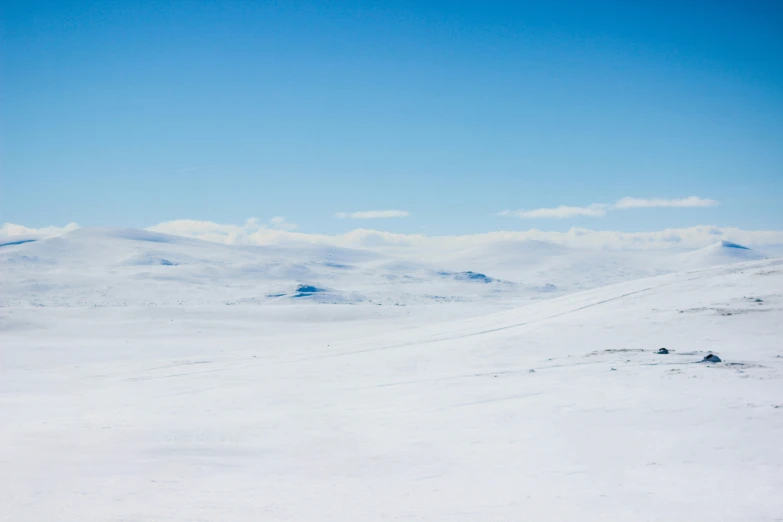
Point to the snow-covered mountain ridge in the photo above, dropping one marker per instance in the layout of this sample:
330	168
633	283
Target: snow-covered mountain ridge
115	267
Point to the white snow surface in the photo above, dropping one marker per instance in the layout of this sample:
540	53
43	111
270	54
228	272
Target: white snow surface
146	377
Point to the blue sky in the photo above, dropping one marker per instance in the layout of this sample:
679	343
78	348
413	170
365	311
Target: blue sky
134	113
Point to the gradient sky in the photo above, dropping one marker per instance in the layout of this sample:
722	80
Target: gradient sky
132	113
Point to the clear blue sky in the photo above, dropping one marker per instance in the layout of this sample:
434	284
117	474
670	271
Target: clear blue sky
132	113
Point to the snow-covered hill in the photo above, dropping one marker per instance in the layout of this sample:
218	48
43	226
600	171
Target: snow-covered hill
110	267
721	253
133	267
495	408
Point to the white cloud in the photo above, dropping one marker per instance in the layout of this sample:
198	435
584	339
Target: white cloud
373	214
600	209
207	230
689	202
10	231
421	247
249	233
280	223
594	210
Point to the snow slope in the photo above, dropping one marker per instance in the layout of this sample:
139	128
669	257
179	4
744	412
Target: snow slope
110	267
140	268
555	409
721	253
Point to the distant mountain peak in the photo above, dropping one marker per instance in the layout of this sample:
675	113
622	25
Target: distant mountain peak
720	253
